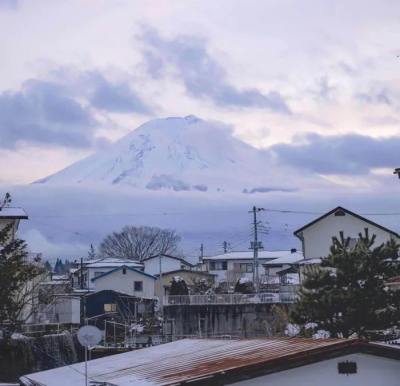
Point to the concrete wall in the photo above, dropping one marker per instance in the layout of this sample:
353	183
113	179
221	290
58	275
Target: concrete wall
247	320
371	371
117	281
318	237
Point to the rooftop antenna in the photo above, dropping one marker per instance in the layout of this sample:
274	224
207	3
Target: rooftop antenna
89	336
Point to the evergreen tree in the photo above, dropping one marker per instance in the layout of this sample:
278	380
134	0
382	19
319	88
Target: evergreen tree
47	266
92	253
347	294
57	266
17	274
178	286
244	286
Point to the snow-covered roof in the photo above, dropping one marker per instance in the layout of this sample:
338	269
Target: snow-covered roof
184	360
248	255
309	261
112	263
170	257
13	213
126	267
289	258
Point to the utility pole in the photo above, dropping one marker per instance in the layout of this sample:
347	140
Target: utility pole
161	288
255	246
225	245
201	252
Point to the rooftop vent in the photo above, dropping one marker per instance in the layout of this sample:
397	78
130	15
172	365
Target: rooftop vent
293	250
340	213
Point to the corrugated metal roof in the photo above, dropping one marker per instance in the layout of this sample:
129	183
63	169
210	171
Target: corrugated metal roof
184	360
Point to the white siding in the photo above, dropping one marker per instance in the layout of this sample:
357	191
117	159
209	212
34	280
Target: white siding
152	266
318	237
371	371
117	281
5	222
68	310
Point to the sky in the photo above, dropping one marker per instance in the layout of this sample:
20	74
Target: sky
315	83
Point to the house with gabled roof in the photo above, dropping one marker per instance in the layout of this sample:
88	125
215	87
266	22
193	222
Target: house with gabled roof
165	263
316	236
126	279
81	278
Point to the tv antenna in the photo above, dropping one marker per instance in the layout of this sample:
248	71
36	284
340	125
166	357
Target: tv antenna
89	336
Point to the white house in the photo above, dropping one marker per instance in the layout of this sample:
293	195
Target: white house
168	264
12	216
279	271
240	263
89	269
127	280
316	237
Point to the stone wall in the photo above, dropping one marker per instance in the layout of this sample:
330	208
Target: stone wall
244	320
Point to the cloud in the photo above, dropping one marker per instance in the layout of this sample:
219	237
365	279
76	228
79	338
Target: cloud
381	121
374	98
114	97
201	75
40	114
341	154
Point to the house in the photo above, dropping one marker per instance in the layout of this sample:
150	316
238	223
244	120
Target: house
12	216
165	263
115	306
126	279
89	269
242	362
232	266
190	278
316	237
273	267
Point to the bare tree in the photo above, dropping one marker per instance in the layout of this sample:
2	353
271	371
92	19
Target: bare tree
228	285
138	243
200	284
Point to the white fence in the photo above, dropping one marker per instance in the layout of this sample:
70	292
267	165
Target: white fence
173	300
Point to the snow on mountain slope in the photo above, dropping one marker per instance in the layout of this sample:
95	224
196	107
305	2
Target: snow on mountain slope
181	154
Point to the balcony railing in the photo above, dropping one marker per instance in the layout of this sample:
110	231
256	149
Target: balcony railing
262	298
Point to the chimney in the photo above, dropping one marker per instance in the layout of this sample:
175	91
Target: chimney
293	250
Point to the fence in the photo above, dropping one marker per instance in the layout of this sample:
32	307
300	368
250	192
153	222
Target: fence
173	300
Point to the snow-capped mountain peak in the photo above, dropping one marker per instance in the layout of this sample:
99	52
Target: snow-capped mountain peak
178	154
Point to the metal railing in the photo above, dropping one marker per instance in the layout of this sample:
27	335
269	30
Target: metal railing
261	298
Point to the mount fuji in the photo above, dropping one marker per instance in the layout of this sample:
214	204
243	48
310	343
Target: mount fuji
182	154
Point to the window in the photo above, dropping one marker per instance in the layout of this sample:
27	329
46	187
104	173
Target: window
138	286
218	265
124	271
110	307
340	213
347	368
243	267
98	273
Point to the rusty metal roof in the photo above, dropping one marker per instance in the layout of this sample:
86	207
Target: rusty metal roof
185	360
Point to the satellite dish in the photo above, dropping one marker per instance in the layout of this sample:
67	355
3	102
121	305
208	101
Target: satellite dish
89	336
